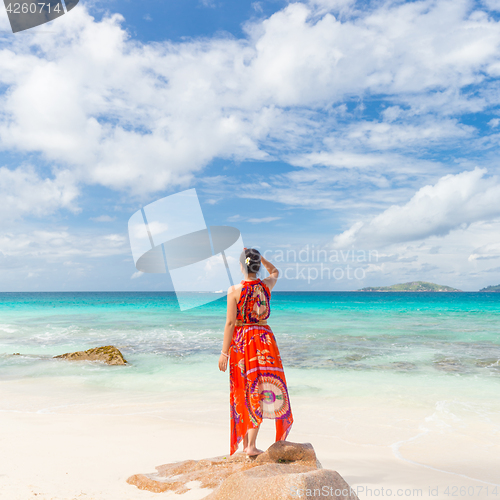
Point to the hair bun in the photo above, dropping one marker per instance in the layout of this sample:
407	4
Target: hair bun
251	259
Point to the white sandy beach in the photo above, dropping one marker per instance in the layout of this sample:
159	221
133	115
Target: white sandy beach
87	450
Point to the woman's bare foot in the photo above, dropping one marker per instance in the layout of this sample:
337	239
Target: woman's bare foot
252	451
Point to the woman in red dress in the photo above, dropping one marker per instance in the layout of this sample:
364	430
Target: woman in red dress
257	381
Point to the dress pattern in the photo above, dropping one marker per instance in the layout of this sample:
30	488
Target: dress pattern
257	381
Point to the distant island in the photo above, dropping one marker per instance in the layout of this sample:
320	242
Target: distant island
491	288
412	286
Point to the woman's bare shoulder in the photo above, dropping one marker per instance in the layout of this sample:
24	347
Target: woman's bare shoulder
235	289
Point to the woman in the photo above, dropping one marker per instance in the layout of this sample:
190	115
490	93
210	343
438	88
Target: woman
257	381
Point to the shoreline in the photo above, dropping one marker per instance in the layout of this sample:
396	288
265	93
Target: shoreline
87	450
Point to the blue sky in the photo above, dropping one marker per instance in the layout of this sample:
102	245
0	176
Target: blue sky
351	127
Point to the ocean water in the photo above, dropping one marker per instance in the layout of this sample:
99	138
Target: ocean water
412	376
413	348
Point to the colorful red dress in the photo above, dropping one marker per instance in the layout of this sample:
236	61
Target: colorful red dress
257	381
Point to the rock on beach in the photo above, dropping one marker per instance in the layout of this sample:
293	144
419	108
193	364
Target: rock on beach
109	354
284	471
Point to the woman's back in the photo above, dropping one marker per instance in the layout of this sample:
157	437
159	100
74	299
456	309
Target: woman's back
254	303
257	380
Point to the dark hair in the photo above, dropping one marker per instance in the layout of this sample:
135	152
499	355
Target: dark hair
254	264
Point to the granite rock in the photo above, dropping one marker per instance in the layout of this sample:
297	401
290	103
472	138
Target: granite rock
109	354
283	482
284	471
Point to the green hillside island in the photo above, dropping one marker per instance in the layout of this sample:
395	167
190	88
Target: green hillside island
412	286
491	288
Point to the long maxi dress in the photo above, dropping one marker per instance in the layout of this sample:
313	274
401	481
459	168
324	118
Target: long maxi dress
258	386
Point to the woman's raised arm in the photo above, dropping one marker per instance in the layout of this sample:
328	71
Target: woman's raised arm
270	281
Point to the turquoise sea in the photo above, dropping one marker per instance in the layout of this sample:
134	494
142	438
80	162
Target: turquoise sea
331	342
376	381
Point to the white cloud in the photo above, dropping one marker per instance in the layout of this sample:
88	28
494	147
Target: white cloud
25	192
257	6
391	113
340	181
263	220
455	201
397	48
302	86
486	252
136	275
212	201
4	21
367	162
335	5
103	218
492	4
142	118
448	260
383	135
208	3
156	228
61	244
252	220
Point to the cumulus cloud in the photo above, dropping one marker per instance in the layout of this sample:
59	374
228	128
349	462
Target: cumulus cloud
25	191
396	48
352	99
455	201
57	245
144	117
486	252
492	4
449	260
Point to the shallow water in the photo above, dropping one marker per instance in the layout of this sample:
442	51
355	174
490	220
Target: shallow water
407	345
